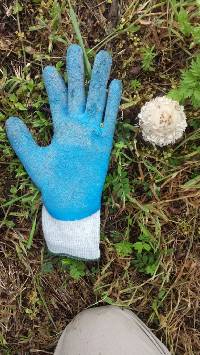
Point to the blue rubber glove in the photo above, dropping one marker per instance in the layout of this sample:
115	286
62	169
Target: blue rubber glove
71	171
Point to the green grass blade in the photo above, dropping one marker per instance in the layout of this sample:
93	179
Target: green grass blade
77	31
32	232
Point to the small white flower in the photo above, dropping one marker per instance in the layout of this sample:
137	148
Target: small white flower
162	121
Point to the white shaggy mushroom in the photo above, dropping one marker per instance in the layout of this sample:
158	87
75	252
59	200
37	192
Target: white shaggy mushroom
162	121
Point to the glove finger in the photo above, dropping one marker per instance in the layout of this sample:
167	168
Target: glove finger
57	94
24	145
98	86
75	72
112	107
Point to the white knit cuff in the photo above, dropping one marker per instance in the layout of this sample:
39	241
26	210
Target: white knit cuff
78	239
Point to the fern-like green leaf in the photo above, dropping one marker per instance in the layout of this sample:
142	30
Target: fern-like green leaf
184	22
189	87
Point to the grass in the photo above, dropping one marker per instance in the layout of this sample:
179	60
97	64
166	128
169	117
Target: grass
150	209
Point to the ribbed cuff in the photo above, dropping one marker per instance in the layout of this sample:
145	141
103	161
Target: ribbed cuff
77	239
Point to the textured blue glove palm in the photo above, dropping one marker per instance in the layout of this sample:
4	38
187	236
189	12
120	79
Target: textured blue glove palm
71	171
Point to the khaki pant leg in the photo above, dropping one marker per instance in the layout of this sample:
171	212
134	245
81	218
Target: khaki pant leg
108	330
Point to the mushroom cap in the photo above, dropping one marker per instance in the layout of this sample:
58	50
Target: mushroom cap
162	121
